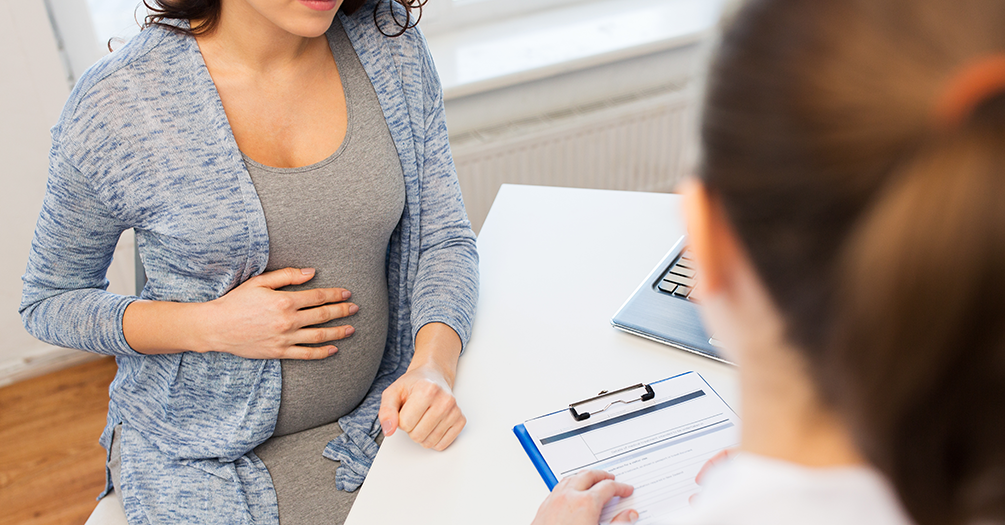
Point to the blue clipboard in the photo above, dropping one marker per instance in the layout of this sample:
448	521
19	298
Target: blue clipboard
535	456
580	411
625	395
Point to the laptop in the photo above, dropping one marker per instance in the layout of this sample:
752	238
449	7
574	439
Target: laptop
662	309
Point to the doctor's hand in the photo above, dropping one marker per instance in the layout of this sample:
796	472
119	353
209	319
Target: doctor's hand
421	402
718	459
579	500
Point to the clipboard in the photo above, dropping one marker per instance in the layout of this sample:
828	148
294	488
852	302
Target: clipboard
581	411
654	436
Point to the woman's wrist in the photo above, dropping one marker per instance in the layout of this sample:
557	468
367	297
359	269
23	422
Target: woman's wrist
198	333
161	327
437	346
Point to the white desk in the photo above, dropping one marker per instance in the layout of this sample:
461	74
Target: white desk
556	263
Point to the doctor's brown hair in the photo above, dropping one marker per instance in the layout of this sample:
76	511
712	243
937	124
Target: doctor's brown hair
877	225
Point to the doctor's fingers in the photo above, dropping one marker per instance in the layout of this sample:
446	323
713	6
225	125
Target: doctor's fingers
586	479
628	516
606	489
723	455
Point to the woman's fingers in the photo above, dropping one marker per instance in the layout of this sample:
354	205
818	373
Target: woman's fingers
317	297
425	413
390	404
323	314
308	352
420	403
258	321
317	336
284	277
425	403
440	424
451	434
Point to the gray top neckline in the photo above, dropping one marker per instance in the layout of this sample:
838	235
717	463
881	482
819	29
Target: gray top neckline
349	119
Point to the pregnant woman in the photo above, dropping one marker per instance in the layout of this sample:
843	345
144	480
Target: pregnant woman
312	274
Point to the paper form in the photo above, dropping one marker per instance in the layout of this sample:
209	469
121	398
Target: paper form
657	446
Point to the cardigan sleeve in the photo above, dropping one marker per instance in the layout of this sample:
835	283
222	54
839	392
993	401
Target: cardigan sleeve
446	285
64	299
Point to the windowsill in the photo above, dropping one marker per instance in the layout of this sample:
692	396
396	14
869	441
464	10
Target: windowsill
490	56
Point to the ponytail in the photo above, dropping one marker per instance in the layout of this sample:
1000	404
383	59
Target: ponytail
919	339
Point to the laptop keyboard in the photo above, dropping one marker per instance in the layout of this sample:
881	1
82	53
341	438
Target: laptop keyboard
679	280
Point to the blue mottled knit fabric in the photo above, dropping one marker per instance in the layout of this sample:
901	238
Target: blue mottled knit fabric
144	143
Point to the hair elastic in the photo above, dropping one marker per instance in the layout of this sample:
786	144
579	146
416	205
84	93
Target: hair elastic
972	85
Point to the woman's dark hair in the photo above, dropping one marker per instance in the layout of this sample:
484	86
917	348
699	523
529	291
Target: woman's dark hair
208	12
878	230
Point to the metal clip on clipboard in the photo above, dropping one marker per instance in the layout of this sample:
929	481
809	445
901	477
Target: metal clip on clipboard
584	409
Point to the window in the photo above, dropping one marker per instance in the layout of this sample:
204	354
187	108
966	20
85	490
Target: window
443	15
116	19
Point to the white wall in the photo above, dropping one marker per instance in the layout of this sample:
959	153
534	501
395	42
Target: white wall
32	92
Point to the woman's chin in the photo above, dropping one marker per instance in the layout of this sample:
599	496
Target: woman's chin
310	28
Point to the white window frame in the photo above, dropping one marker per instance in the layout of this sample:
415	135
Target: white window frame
438	16
443	15
75	36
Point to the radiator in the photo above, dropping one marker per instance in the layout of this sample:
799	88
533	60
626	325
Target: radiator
639	142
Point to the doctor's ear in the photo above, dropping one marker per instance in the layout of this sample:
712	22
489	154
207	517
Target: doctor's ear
710	237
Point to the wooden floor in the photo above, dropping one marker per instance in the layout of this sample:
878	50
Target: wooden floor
51	466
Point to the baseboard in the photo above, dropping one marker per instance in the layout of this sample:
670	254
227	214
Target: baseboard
44	361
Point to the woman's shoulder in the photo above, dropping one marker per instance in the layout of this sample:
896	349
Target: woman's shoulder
395	62
380	24
124	76
752	489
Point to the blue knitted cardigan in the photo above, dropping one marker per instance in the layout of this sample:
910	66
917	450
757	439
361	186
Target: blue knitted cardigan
143	142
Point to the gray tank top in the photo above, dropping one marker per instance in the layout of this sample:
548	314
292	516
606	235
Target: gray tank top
337	216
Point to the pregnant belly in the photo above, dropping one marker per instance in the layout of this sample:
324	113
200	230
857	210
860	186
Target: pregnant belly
319	392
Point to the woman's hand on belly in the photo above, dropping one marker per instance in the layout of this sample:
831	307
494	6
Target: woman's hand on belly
421	402
254	320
